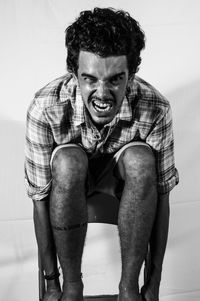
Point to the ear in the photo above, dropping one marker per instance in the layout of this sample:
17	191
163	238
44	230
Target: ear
129	83
75	77
131	78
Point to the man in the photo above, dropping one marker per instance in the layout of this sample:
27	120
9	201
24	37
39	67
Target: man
100	128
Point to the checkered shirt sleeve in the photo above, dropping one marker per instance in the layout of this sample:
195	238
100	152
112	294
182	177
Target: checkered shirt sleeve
162	141
38	150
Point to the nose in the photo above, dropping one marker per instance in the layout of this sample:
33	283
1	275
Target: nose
102	90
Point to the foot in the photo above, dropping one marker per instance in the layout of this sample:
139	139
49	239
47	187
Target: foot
52	295
132	297
72	291
150	292
129	298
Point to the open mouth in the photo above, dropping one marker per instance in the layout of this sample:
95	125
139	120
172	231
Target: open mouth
101	106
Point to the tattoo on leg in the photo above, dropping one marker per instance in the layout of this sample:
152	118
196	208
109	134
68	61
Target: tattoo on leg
69	227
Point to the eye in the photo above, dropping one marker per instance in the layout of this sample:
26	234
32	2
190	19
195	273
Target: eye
116	80
89	79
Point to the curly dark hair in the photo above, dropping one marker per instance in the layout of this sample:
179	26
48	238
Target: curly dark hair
106	32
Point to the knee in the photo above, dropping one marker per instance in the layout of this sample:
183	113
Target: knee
69	163
138	163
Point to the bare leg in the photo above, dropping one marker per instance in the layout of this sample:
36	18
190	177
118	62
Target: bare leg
136	215
68	213
46	247
158	245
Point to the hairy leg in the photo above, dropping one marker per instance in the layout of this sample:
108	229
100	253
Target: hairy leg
136	215
46	247
68	212
158	242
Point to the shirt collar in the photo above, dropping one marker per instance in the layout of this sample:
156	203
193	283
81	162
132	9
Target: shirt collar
79	108
125	112
71	92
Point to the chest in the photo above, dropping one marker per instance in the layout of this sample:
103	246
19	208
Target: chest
109	140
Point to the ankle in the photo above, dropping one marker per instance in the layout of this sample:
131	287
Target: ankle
126	288
150	293
73	277
129	285
52	280
128	294
53	285
72	283
73	290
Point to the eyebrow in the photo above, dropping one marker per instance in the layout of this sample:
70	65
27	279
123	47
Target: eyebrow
87	75
92	76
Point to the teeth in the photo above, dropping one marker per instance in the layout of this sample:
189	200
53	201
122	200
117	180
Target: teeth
101	106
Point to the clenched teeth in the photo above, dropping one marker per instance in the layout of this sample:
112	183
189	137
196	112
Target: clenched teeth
101	106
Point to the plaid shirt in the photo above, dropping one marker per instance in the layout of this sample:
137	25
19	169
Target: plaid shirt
57	116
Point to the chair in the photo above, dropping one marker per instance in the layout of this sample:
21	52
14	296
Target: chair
102	208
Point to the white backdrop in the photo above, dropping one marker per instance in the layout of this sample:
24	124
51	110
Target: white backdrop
32	53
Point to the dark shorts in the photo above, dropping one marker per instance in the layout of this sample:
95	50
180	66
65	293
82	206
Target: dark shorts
103	175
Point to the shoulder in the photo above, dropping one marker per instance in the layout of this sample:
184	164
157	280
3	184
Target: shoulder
56	92
145	92
147	100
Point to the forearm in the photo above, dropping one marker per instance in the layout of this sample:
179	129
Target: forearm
159	237
44	236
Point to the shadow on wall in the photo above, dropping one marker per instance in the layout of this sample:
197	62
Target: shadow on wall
15	204
185	225
18	261
185	104
186	107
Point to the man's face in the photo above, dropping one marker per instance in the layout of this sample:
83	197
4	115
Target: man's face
103	84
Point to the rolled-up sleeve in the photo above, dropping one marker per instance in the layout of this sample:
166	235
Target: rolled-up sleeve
38	150
162	141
